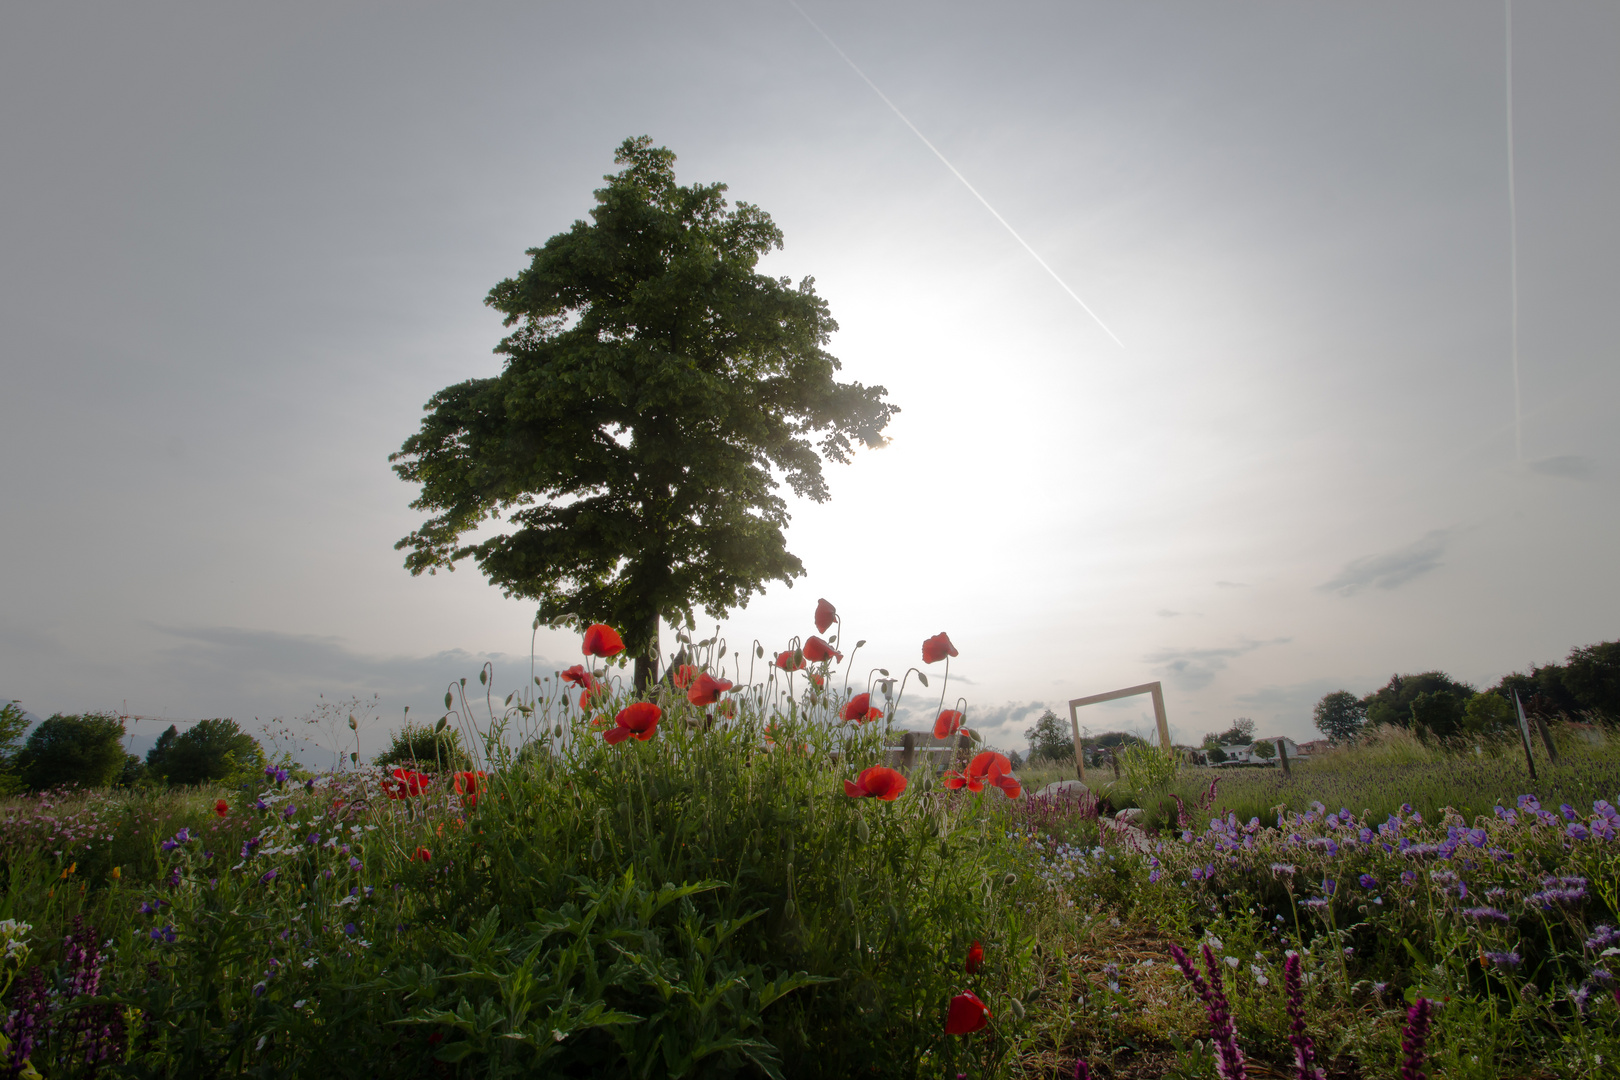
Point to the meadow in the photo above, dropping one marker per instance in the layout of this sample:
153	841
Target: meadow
713	881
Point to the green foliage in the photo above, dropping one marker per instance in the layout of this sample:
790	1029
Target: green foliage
1148	769
13	723
1392	704
86	751
1241	733
655	388
1588	682
208	752
1265	750
1438	713
425	749
1488	714
1050	738
1340	715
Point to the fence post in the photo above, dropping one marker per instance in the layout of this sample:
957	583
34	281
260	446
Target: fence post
1546	737
1524	735
908	750
1282	757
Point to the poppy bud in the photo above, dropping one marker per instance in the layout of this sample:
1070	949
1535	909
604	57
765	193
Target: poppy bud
482	678
354	758
759	651
860	643
1017	1008
447	699
862	830
787	910
849	907
557	731
1010	879
596	849
922	678
352	725
444	722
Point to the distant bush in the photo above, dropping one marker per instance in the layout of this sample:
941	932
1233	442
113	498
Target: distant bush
86	751
425	749
210	751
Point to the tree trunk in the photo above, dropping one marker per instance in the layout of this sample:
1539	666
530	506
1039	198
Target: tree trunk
647	663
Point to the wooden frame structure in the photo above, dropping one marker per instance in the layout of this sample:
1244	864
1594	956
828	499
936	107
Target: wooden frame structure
1153	688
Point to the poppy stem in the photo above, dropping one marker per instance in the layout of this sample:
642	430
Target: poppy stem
946	682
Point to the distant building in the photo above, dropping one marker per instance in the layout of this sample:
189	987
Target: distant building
1245	755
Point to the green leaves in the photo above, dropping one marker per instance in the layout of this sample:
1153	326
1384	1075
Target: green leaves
657	390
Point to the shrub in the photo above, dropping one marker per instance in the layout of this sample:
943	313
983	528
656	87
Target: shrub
210	751
87	751
425	749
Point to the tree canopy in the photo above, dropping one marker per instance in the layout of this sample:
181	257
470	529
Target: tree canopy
1340	715
209	751
85	751
655	388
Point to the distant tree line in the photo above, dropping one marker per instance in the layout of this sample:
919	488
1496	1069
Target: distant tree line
1585	686
1053	740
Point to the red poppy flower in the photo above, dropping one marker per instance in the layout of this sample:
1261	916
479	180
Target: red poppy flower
955	781
600	720
996	770
422	854
825	614
639	719
405	784
468	785
222	808
602	640
706	690
967	1015
683	676
578	676
880	782
816	650
859	709
792	660
938	647
947	723
975	958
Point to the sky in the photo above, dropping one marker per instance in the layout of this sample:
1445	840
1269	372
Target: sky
240	246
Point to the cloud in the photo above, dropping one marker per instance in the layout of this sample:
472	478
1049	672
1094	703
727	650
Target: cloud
1565	467
1391	569
1231	585
1166	613
1194	669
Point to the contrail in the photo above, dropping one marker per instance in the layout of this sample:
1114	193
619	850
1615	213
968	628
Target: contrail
1513	243
895	109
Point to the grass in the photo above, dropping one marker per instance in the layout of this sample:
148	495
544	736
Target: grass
710	902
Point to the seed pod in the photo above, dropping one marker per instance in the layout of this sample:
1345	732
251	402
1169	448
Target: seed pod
352	725
1017	1008
483	678
596	849
787	909
444	721
759	650
557	731
447	699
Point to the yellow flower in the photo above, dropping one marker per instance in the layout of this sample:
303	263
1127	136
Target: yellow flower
115	873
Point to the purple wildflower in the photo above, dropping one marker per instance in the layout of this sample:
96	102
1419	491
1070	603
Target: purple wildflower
268	876
1368	881
1529	802
1408	877
312	839
1603	809
164	934
1228	1056
1558	890
1505	814
1304	1047
1486	913
1414	1038
1568	811
289	813
354	863
1603	935
249	844
29	1022
1081	1071
1509	959
309	785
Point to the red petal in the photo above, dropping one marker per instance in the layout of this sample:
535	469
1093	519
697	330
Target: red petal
825	614
857	707
952	781
989	764
602	640
937	648
882	782
639	716
853	790
616	735
946	723
967	1014
1010	785
975	958
975	784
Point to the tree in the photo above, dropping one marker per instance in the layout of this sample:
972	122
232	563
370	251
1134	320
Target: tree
1488	713
1241	733
1050	738
1265	750
210	751
423	748
654	387
87	751
1340	715
1392	704
13	723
